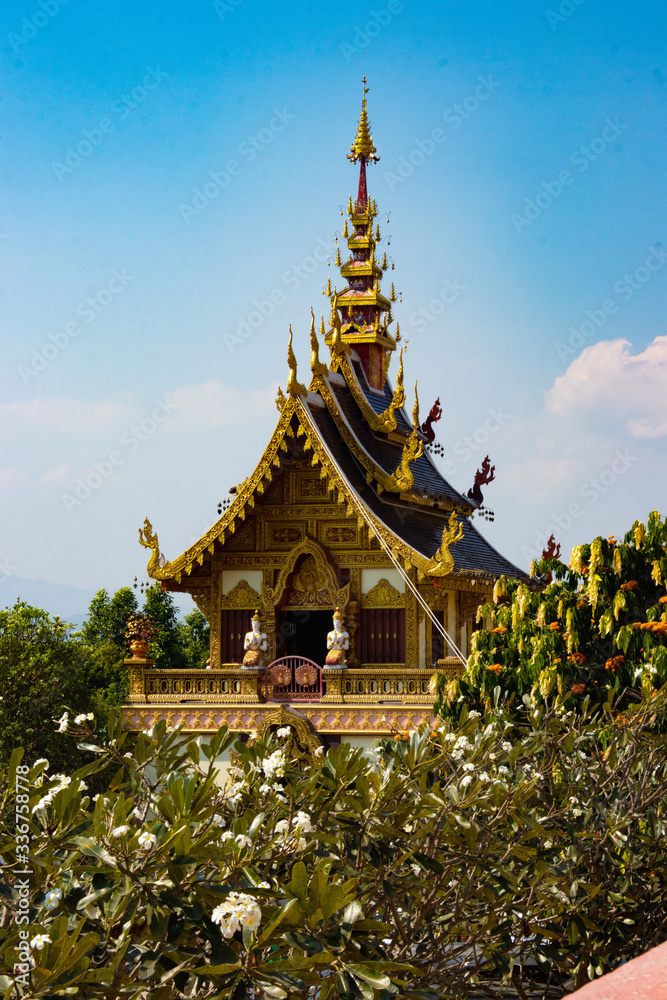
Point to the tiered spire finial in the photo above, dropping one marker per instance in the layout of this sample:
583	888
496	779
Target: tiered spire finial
363	147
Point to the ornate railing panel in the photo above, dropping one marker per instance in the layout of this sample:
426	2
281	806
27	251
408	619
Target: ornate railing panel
293	678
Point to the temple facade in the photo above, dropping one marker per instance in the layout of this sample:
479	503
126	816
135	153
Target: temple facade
347	515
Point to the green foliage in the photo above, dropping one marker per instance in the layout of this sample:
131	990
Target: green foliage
195	638
437	866
598	630
107	618
167	647
41	672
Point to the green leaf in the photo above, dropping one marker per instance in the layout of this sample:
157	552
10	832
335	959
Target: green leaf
376	979
290	906
298	885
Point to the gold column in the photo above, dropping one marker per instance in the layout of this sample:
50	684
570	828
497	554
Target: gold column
137	667
352	626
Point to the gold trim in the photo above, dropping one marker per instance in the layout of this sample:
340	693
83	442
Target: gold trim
242	595
383	595
402	479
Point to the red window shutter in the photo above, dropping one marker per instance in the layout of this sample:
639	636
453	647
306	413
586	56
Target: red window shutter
383	635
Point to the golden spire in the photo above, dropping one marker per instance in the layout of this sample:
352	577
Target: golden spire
317	367
345	232
328	291
294	388
415	410
363	141
338	260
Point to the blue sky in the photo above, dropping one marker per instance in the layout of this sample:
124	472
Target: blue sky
522	172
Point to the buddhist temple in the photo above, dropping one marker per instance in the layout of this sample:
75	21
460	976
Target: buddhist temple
345	516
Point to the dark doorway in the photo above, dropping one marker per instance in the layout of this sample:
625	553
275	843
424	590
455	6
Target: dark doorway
304	633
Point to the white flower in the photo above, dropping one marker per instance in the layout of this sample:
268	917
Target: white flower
465	780
63	722
548	844
284	732
263	885
503	770
96	797
318	751
147	841
80	719
243	841
468	767
474	714
274	765
236	772
52	899
303	822
264	789
238	910
119	831
148	732
43	803
449	737
42	760
227	835
506	746
218	819
301	844
538	775
282	826
39	941
483	777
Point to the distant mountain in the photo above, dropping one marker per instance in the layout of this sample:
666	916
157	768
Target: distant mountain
64	600
61	599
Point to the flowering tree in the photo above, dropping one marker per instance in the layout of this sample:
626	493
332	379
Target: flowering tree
436	866
598	631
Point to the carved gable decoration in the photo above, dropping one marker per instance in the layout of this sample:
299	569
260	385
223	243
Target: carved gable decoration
241	596
383	595
307	580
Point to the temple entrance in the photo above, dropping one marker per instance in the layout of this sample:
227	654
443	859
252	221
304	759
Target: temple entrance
304	633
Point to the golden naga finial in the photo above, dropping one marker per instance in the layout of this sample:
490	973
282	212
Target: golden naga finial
388	417
403	480
363	141
415	410
294	387
148	538
281	399
317	367
442	562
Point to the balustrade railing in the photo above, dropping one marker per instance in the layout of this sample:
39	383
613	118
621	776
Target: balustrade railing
372	684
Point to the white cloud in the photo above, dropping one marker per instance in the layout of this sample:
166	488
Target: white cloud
607	383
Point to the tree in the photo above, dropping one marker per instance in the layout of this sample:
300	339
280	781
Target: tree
107	617
195	638
598	630
442	865
166	647
42	671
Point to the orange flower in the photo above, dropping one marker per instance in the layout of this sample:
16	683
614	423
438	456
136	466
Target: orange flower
578	688
612	540
555	626
614	662
581	604
496	668
663	599
501	629
630	585
578	658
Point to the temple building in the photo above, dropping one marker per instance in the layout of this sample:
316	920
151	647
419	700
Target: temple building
345	514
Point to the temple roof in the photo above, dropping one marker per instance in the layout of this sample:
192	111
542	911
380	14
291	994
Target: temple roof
354	423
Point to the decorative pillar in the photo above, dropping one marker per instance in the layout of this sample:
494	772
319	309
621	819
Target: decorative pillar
352	626
137	666
269	619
